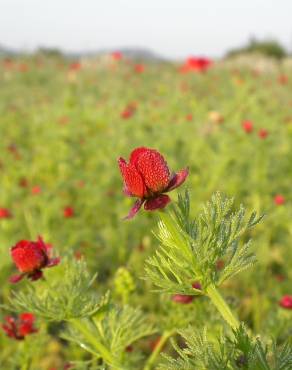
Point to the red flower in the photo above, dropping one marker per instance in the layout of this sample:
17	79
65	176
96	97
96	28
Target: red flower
23	67
147	177
36	190
129	110
189	117
75	66
263	133
30	258
283	79
194	64
139	68
20	327
286	302
279	200
5	213
247	126
68	212
117	55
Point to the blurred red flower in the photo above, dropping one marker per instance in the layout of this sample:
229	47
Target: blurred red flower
64	120
247	126
129	110
263	133
283	79
139	68
75	66
189	117
147	177
18	328
117	55
23	67
5	213
36	190
286	302
68	212
30	258
8	63
196	64
279	199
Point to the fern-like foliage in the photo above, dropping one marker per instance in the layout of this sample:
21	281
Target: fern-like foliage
203	352
63	299
190	249
115	332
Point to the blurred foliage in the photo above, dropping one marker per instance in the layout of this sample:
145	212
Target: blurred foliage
268	48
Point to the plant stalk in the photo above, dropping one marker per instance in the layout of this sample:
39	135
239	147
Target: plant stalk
152	358
222	307
98	346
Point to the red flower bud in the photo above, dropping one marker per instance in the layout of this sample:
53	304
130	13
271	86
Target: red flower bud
30	258
147	177
182	298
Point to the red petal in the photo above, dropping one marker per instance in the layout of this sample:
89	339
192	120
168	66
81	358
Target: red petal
16	278
27	316
134	209
28	256
178	179
53	262
136	154
132	179
36	275
158	202
153	168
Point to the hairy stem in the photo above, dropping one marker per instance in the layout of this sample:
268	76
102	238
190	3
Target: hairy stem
222	307
152	358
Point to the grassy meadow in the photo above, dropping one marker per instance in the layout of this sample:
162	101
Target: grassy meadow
63	126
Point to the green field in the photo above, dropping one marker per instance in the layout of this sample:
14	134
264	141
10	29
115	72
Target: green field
62	128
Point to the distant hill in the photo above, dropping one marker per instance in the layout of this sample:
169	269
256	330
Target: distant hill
6	52
134	53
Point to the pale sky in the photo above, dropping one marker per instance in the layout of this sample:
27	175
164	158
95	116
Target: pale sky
172	28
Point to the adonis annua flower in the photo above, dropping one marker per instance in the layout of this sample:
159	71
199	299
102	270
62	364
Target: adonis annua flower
147	177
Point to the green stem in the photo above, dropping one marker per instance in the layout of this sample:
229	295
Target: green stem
82	327
25	365
222	306
152	358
